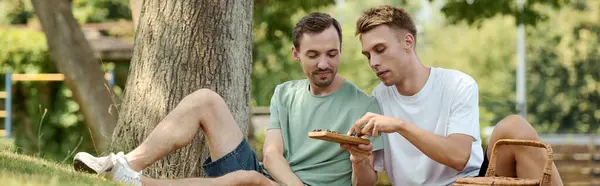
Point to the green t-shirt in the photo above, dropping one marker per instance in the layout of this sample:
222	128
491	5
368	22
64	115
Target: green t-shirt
296	111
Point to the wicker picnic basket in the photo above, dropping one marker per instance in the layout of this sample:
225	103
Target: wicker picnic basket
491	178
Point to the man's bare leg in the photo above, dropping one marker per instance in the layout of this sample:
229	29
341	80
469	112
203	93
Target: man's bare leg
516	161
203	109
241	178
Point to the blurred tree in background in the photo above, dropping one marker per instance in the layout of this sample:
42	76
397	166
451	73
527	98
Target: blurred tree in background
476	12
86	11
563	68
40	105
47	121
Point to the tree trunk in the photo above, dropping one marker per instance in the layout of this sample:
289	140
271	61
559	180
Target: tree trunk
180	47
75	58
136	8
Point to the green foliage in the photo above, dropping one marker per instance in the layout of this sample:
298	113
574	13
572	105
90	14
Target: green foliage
15	11
272	34
564	70
562	63
475	11
96	11
260	142
483	52
85	11
354	65
46	119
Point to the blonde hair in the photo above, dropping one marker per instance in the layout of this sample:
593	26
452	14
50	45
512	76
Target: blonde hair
391	16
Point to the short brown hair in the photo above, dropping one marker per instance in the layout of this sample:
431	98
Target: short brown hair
394	17
315	22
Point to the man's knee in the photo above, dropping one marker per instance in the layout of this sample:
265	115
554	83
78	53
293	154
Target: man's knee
515	127
204	98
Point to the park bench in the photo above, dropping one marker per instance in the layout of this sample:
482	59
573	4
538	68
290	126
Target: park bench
578	164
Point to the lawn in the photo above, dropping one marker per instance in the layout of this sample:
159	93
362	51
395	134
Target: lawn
20	170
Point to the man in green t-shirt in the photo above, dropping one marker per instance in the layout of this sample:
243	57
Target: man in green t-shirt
324	100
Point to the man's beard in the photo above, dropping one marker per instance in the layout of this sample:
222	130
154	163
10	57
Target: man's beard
322	83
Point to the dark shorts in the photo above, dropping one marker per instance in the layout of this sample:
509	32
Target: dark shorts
241	158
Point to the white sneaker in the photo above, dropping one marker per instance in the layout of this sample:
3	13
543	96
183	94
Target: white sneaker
85	162
121	172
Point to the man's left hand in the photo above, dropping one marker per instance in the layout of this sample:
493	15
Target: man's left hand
358	153
372	124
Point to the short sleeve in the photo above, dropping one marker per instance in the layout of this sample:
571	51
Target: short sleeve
464	115
379	162
274	122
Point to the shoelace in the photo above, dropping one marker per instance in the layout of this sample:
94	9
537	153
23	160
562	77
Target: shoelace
127	176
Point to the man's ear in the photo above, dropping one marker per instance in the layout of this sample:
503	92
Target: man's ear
409	41
295	54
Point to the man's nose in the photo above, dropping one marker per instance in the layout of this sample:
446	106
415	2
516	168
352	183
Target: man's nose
374	61
322	64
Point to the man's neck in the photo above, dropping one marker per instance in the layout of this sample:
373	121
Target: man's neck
323	91
415	80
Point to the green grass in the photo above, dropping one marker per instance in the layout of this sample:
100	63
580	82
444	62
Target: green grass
16	169
6	144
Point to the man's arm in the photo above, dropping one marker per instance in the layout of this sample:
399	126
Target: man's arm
453	151
361	157
274	161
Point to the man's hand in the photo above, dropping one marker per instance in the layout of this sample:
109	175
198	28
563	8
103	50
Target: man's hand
358	153
372	124
361	157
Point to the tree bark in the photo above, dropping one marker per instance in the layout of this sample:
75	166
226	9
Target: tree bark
180	47
75	58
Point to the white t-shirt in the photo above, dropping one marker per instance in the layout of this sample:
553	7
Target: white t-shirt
447	104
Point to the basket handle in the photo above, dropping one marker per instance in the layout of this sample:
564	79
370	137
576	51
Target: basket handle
546	177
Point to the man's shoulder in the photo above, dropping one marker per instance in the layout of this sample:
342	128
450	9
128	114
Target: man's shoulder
290	86
455	78
354	90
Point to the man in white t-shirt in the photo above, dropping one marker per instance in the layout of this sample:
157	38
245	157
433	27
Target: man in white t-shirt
430	116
